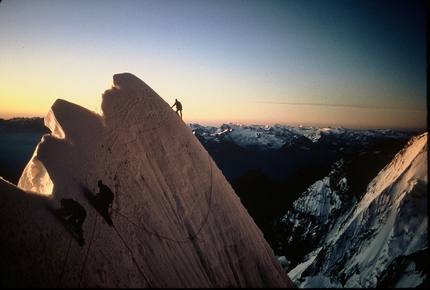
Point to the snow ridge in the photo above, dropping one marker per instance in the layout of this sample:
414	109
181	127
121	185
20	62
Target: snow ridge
177	223
361	243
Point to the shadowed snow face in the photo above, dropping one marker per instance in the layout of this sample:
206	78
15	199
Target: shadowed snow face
176	220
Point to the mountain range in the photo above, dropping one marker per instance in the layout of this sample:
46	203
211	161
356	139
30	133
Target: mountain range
340	208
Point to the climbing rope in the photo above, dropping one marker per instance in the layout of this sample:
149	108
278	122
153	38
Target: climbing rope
154	233
168	238
89	247
64	264
132	256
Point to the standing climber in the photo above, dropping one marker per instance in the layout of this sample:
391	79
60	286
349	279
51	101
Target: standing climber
104	198
77	213
178	107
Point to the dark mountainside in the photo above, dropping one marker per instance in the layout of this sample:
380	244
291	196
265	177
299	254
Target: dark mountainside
18	139
267	200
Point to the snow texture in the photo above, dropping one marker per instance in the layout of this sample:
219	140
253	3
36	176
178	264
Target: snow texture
389	222
176	220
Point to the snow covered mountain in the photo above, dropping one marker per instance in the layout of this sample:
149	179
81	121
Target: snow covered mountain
380	240
176	220
279	151
264	137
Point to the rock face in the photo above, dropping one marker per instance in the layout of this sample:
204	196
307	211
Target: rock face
176	220
379	241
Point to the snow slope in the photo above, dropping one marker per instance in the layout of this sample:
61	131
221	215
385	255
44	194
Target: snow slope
176	220
361	247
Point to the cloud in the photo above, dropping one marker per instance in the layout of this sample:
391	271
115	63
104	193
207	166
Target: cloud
343	106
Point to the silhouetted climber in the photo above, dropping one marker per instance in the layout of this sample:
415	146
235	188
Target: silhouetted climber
178	107
77	213
104	198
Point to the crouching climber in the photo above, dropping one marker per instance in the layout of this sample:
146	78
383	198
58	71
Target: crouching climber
77	213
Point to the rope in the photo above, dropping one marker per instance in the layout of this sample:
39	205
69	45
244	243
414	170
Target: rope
67	255
89	247
168	238
154	233
65	260
131	252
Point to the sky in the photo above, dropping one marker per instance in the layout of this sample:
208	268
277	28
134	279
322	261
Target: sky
357	64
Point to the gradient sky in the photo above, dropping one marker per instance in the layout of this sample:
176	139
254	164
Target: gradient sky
357	64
